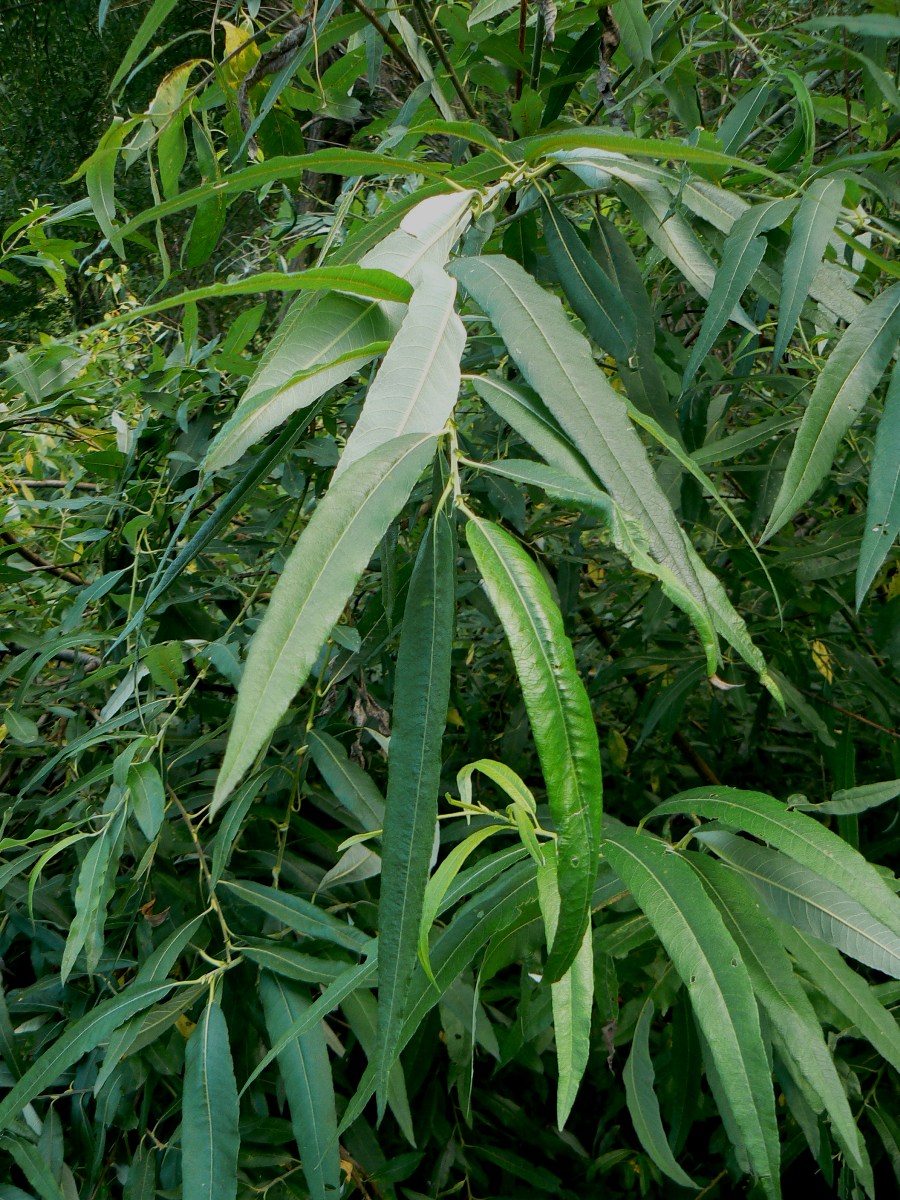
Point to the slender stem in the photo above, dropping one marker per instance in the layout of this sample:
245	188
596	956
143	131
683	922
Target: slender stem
436	40
537	52
389	40
42	564
523	21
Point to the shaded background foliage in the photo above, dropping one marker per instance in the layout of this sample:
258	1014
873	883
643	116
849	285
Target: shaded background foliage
122	417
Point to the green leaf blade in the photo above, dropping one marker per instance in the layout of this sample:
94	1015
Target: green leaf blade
639	1078
80	1037
560	715
810	903
556	360
709	962
813	226
209	1133
308	599
883	509
306	1071
800	837
417	384
606	314
421	699
846	382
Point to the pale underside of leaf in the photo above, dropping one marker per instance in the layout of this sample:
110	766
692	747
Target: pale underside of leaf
317	580
557	362
800	837
707	959
322	330
809	902
417	384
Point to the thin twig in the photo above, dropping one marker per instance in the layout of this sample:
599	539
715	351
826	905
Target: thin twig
854	715
56	483
389	40
442	54
42	563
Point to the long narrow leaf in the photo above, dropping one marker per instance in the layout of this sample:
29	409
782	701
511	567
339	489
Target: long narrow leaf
809	902
316	582
813	226
846	382
742	254
707	959
80	1037
639	1077
797	835
421	698
209	1132
607	316
556	360
847	991
883	509
572	998
560	715
321	343
418	382
781	995
306	1072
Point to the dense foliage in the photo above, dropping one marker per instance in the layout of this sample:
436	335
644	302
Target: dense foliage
450	624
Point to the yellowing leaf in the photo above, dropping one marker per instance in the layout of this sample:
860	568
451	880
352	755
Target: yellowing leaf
822	660
185	1026
237	36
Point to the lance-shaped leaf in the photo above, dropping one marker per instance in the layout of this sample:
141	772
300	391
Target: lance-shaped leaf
306	1072
851	801
813	226
361	1010
582	494
79	1038
421	699
644	190
418	382
507	903
571	997
557	362
809	902
209	1130
353	787
322	342
641	374
883	509
847	991
846	382
365	282
299	914
316	583
793	1019
526	413
639	1078
560	715
797	835
741	255
705	956
339	335
96	880
607	315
